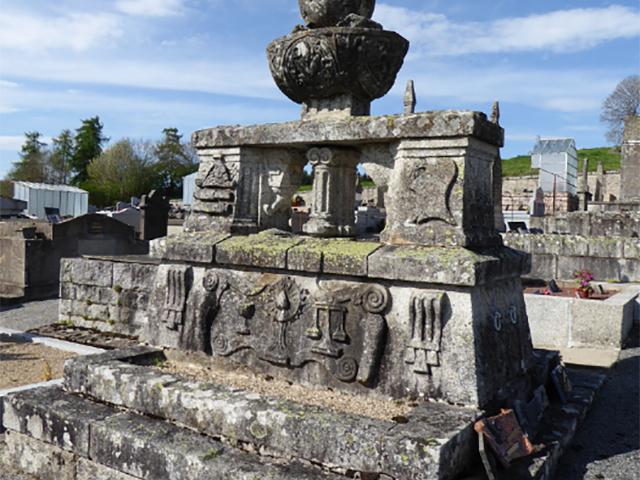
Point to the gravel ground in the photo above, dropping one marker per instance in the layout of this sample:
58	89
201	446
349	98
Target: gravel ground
26	363
29	315
607	445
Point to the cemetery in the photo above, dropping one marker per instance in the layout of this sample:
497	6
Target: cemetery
255	344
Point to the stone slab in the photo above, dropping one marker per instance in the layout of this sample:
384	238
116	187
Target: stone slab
452	266
264	250
354	130
435	441
152	449
341	257
44	461
590	357
52	416
88	470
196	247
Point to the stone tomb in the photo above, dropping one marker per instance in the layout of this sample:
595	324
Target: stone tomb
433	313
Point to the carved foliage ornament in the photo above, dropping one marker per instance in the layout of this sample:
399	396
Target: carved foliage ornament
328	62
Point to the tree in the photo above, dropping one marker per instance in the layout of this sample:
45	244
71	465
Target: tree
123	170
88	146
62	155
33	163
174	161
622	103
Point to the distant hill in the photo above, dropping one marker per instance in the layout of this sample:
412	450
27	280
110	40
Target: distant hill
521	165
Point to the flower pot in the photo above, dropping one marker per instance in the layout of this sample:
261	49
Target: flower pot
583	293
327	13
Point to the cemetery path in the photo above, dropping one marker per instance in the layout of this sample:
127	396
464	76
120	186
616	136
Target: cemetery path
607	445
23	317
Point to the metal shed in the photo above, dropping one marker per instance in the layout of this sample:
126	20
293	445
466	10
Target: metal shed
557	159
71	201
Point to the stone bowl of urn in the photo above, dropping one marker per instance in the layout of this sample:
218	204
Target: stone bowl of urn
327	13
334	62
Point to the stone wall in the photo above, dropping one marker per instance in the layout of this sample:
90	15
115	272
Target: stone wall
609	185
593	224
104	295
30	252
614	259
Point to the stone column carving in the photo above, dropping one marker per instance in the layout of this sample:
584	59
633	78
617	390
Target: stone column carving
334	192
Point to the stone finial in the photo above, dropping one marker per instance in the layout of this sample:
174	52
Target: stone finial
495	113
410	98
359	59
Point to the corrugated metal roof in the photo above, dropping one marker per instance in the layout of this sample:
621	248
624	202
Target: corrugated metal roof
45	186
553	145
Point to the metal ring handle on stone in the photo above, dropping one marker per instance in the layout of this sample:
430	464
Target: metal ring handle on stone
497	321
513	315
375	299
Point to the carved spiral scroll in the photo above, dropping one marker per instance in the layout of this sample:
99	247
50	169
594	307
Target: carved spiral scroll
375	299
347	369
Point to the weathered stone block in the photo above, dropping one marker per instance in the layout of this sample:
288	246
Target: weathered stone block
344	257
572	245
603	269
53	416
549	320
606	247
265	249
89	272
88	470
197	247
130	276
632	248
44	461
544	266
148	448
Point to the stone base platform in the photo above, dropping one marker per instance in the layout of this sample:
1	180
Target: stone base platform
121	418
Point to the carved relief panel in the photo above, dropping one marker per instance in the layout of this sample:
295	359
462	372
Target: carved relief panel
340	327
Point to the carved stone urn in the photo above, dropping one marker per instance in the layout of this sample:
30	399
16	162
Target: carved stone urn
327	13
341	62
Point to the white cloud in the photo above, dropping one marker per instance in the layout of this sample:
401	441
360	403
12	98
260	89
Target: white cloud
246	77
13	143
24	31
151	8
558	31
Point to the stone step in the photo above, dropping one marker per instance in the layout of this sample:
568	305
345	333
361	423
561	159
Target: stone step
434	441
56	435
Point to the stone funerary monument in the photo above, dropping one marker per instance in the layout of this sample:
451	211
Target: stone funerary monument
434	312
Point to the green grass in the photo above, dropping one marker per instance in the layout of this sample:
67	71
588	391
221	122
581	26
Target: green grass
521	165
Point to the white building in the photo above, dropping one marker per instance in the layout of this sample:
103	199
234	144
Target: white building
188	188
557	159
71	201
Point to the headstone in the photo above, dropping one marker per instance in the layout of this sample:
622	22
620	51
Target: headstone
538	203
630	167
154	221
410	98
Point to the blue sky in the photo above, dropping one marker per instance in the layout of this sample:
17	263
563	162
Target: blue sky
143	65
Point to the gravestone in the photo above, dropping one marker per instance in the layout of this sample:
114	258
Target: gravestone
630	168
154	219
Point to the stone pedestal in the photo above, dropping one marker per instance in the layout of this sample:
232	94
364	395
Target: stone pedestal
244	189
334	191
